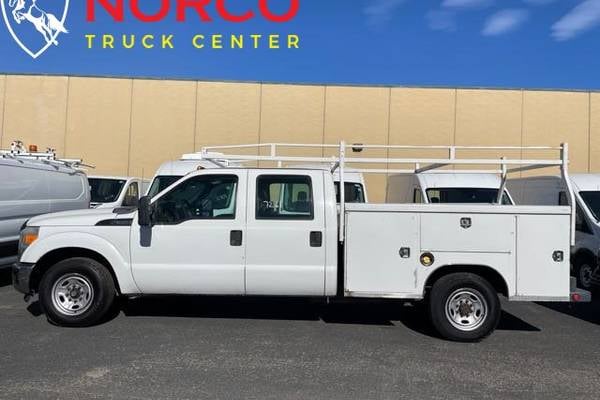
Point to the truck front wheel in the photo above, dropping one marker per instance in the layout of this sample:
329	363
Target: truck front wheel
76	292
464	307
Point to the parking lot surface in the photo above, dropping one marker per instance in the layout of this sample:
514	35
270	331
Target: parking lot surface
193	348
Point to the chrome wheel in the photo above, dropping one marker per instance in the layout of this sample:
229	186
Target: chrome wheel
72	294
585	275
466	309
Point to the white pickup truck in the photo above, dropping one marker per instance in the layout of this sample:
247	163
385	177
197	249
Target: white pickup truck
279	232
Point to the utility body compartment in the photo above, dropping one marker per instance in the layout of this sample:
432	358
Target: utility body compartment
527	246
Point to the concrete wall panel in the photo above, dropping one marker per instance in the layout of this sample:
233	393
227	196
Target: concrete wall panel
550	118
98	122
421	117
594	151
35	111
360	115
227	113
293	114
488	118
162	123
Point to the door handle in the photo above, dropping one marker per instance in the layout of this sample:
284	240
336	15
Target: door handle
404	252
235	238
316	239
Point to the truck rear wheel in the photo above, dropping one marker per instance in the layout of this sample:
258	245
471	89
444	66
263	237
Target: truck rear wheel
464	307
76	292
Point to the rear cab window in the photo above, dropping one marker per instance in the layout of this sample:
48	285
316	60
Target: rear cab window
284	197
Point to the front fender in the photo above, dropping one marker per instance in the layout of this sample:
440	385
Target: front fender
118	261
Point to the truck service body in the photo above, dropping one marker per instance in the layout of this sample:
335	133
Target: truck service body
230	231
551	190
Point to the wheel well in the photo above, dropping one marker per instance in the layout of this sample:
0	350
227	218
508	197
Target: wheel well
51	258
489	274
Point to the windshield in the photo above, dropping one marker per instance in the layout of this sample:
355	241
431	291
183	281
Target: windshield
354	192
105	190
465	195
592	201
160	183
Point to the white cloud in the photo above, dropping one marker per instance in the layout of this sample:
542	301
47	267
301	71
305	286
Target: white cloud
380	12
441	20
467	3
504	21
583	17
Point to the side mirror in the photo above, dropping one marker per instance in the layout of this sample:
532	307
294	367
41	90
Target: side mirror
145	211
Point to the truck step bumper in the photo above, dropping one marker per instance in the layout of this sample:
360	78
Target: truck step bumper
579	295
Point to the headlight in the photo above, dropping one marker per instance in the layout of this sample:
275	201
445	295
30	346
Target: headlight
28	236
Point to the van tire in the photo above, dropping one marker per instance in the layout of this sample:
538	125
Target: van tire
584	272
77	292
464	307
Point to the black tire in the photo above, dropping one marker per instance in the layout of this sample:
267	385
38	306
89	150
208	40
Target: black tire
473	294
92	285
583	269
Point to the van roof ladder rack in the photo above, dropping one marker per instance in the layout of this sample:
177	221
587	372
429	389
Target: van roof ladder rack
19	152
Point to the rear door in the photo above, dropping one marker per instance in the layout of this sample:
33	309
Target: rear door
285	252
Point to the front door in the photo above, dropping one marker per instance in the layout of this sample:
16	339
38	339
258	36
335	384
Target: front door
285	252
196	244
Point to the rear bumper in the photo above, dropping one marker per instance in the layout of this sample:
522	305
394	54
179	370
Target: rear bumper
21	277
579	295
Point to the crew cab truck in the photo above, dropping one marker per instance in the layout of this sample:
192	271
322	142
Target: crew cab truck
229	231
551	190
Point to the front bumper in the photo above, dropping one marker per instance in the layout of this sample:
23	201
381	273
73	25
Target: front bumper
21	277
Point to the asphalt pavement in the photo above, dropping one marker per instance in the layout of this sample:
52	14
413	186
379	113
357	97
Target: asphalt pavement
211	348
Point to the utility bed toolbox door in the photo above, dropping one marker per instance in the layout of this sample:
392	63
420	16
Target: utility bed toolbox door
539	275
374	266
456	232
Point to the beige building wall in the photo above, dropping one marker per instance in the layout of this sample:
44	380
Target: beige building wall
163	120
594	150
131	126
359	115
102	106
35	110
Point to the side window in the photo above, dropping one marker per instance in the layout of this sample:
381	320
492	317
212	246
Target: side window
201	197
133	190
580	222
131	196
417	196
284	197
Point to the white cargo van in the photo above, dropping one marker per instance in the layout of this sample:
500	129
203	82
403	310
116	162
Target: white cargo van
446	187
228	231
31	184
116	191
551	190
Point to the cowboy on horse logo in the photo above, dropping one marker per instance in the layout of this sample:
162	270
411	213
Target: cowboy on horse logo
32	25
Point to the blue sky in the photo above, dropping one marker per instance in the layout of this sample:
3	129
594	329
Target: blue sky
492	43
